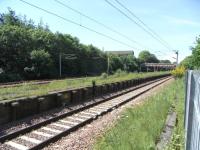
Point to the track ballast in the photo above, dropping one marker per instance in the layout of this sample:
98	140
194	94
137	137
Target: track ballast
40	135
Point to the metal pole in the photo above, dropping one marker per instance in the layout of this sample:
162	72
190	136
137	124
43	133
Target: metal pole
108	64
176	52
176	58
60	61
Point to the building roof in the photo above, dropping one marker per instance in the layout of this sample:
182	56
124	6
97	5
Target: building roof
126	52
164	65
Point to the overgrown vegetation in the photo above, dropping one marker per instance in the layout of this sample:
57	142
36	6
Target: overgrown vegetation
146	56
139	128
30	51
177	141
179	72
30	90
193	61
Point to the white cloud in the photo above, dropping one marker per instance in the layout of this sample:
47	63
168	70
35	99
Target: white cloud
181	21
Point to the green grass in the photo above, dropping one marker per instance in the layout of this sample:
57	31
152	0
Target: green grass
32	90
177	142
139	128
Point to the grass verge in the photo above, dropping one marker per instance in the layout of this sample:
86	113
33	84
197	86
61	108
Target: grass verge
31	90
177	141
139	128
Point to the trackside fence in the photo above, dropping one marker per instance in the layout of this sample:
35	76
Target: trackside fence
192	110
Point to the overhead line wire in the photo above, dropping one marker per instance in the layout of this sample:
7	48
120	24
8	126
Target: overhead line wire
163	54
99	23
111	4
134	15
75	23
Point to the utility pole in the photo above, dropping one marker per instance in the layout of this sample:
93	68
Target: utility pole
176	52
67	57
60	65
108	64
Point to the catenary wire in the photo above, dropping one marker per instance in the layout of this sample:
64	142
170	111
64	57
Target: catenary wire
152	35
142	22
99	23
75	23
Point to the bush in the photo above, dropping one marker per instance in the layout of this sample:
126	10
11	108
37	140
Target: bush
178	72
119	73
9	77
41	63
104	75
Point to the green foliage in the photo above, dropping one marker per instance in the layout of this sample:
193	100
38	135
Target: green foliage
119	73
57	85
147	57
187	62
9	77
10	18
115	63
177	141
14	48
19	37
126	63
165	61
196	54
104	75
139	128
193	61
179	72
41	63
130	63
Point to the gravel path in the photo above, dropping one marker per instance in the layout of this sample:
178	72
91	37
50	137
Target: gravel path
84	137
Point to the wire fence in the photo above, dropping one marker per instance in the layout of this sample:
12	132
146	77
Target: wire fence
192	111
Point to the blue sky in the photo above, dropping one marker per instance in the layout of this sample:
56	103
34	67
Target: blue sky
176	21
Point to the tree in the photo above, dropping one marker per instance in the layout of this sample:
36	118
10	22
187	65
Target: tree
130	63
146	57
15	47
187	62
115	63
96	60
165	61
30	51
10	18
196	54
41	63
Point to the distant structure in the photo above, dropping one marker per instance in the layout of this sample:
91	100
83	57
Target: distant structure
157	66
121	53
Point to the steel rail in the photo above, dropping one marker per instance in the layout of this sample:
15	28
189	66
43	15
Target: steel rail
15	134
103	99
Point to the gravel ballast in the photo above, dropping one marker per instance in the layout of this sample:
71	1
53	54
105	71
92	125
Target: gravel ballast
17	125
84	137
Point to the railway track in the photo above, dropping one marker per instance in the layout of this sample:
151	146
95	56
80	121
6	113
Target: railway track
40	135
17	84
33	82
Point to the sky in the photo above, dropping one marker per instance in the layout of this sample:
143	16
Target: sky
176	21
